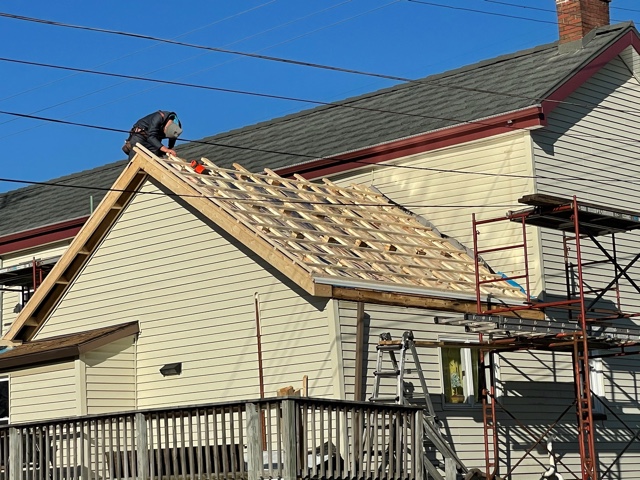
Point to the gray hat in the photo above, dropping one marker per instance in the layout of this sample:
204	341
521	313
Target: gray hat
173	130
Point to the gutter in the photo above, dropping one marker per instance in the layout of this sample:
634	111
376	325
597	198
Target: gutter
421	292
526	118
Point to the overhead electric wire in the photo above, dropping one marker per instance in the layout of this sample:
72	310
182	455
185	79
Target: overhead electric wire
538	8
603	180
241	200
341	104
485	12
284	60
206	53
139	51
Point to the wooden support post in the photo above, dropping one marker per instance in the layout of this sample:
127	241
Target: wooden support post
290	466
450	468
255	463
15	454
418	447
142	447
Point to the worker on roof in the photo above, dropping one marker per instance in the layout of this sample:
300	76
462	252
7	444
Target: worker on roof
149	132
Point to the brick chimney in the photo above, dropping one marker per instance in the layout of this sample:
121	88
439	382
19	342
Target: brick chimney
576	18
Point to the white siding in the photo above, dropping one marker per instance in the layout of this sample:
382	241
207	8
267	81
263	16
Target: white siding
42	393
600	147
9	299
497	172
110	377
192	290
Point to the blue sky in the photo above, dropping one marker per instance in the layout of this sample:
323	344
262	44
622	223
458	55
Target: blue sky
392	37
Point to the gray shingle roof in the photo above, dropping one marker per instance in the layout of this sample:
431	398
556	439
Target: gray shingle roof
39	205
522	79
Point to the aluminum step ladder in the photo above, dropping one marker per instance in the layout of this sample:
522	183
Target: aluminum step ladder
395	369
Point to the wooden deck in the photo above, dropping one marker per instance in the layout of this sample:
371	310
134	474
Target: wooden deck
288	437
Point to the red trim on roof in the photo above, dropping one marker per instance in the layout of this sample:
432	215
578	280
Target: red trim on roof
530	117
585	73
41	235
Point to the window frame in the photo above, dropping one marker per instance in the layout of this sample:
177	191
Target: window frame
466	361
6	420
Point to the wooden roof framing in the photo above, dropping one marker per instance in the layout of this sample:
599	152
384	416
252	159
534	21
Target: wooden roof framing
322	236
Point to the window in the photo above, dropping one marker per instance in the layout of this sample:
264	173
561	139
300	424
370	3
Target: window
460	375
596	379
4	400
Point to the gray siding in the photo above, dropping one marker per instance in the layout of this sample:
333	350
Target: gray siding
193	291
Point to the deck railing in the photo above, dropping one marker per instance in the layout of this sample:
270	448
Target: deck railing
286	438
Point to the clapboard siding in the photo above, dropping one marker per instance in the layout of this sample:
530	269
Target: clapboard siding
536	387
9	300
463	424
193	291
110	377
431	185
43	393
600	147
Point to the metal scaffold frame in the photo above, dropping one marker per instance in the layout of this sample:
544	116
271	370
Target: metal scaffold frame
586	327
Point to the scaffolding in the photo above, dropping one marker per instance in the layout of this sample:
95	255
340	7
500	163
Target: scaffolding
580	322
25	278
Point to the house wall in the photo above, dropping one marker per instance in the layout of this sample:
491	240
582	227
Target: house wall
193	291
447	186
9	299
599	148
42	393
110	376
535	387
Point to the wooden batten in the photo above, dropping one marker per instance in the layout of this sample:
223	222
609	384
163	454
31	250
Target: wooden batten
422	301
45	298
265	250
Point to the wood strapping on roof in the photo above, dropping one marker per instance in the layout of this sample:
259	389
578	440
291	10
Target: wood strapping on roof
307	231
340	232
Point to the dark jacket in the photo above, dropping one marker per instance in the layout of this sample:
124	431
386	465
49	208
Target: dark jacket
149	130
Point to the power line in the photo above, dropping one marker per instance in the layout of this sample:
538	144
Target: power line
302	63
603	180
341	104
544	9
484	12
248	200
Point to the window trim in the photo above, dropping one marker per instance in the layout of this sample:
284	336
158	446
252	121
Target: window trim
468	389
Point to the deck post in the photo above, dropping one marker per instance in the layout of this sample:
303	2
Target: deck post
15	454
450	468
418	447
289	466
255	463
142	447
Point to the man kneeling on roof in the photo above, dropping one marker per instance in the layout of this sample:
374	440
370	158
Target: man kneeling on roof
149	132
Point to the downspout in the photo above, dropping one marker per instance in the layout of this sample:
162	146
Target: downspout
256	302
358	393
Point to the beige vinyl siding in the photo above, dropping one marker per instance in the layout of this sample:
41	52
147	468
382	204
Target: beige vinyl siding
427	185
536	387
594	144
8	300
110	377
42	393
463	424
192	288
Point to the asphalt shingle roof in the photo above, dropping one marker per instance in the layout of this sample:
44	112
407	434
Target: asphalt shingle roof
520	79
